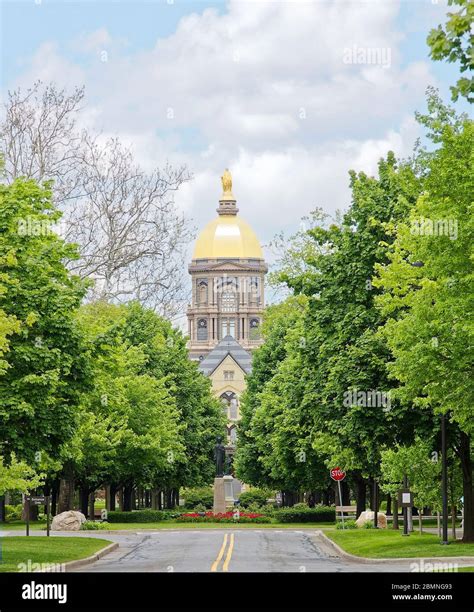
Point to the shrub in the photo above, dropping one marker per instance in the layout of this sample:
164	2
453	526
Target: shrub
319	514
199	496
349	524
94	525
300	506
254	497
137	516
368	525
13	513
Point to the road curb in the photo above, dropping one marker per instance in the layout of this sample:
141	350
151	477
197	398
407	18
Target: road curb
368	560
95	557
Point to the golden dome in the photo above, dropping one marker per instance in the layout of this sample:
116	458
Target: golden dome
228	236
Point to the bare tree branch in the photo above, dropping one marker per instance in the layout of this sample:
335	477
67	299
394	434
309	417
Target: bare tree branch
131	237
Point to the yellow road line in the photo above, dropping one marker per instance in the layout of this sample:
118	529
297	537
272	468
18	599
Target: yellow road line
220	555
225	567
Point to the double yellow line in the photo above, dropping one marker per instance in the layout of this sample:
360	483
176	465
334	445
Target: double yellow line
225	566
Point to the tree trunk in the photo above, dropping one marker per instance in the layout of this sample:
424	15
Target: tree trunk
395	513
33	512
389	504
120	499
467	486
154	499
420	520
127	498
110	493
92	505
54	497
66	490
346	494
83	500
2	509
453	521
361	494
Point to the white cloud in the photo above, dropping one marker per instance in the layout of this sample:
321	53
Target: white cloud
262	89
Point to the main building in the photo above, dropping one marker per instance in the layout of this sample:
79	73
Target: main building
224	317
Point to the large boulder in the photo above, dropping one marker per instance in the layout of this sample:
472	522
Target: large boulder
368	516
68	521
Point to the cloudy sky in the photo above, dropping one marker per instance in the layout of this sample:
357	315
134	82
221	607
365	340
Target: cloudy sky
280	92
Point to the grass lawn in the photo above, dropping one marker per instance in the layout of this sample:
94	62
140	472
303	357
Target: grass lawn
466	569
20	526
386	543
19	549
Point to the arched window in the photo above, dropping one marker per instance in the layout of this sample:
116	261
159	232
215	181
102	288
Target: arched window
202	292
202	329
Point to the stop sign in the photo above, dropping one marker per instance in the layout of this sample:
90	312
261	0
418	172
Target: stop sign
337	474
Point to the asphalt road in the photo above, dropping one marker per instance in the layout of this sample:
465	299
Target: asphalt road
249	550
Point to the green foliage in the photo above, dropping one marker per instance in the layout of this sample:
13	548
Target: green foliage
256	497
136	516
368	525
45	369
300	506
199	496
17	476
94	526
430	331
13	513
455	43
149	417
319	514
348	524
417	464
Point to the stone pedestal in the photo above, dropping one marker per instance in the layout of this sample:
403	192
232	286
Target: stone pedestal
219	496
229	490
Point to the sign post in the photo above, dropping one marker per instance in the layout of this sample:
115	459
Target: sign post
37	500
338	475
405	501
27	515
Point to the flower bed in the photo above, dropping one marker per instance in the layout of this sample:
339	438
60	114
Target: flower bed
224	517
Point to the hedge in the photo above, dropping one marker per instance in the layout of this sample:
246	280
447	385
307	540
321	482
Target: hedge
319	514
136	516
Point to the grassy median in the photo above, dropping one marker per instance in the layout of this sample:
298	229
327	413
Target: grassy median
389	544
16	550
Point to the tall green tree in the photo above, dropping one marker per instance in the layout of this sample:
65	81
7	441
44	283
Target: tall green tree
428	299
46	369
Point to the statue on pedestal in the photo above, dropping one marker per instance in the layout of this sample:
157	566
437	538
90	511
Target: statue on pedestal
219	457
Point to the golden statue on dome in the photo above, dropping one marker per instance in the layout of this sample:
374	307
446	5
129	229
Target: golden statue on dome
226	179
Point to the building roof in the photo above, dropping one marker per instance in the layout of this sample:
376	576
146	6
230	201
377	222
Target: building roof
227	346
229	237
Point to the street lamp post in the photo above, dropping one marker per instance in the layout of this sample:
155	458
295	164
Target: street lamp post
444	479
